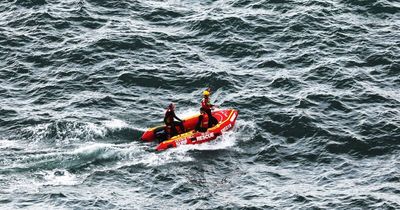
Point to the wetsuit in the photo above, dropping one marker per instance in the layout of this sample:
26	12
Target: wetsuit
169	122
206	105
202	123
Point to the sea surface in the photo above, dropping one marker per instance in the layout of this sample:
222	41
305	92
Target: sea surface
316	83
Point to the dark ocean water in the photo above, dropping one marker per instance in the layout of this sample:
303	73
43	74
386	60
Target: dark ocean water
317	84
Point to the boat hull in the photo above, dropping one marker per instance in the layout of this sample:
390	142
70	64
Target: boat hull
226	120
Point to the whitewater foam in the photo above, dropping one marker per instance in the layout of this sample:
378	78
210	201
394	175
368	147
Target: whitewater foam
60	177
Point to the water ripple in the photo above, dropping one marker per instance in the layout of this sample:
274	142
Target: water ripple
315	82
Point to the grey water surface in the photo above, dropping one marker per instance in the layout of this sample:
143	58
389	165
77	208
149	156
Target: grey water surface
316	83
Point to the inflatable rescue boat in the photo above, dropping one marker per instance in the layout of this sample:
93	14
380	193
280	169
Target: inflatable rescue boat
226	120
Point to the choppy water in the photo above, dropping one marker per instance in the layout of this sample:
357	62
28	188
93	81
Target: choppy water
316	82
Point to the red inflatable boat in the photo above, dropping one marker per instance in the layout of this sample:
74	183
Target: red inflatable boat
226	120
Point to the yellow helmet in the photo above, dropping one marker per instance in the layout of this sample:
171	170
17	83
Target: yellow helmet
206	93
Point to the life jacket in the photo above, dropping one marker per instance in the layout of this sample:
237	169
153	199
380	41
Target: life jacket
205	103
204	121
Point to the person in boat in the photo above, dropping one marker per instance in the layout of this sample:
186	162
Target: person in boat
170	123
207	107
202	123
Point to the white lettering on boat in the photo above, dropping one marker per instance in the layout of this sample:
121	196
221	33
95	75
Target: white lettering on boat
229	126
205	136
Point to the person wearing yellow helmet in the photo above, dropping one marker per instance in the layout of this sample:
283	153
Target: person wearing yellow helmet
207	106
206	93
170	122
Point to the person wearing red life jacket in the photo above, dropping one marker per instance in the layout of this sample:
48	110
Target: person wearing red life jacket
171	123
207	106
202	123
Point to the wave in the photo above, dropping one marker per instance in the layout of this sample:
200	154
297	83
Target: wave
63	131
374	6
158	15
285	83
94	156
166	81
270	64
315	83
76	161
30	3
373	60
129	43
